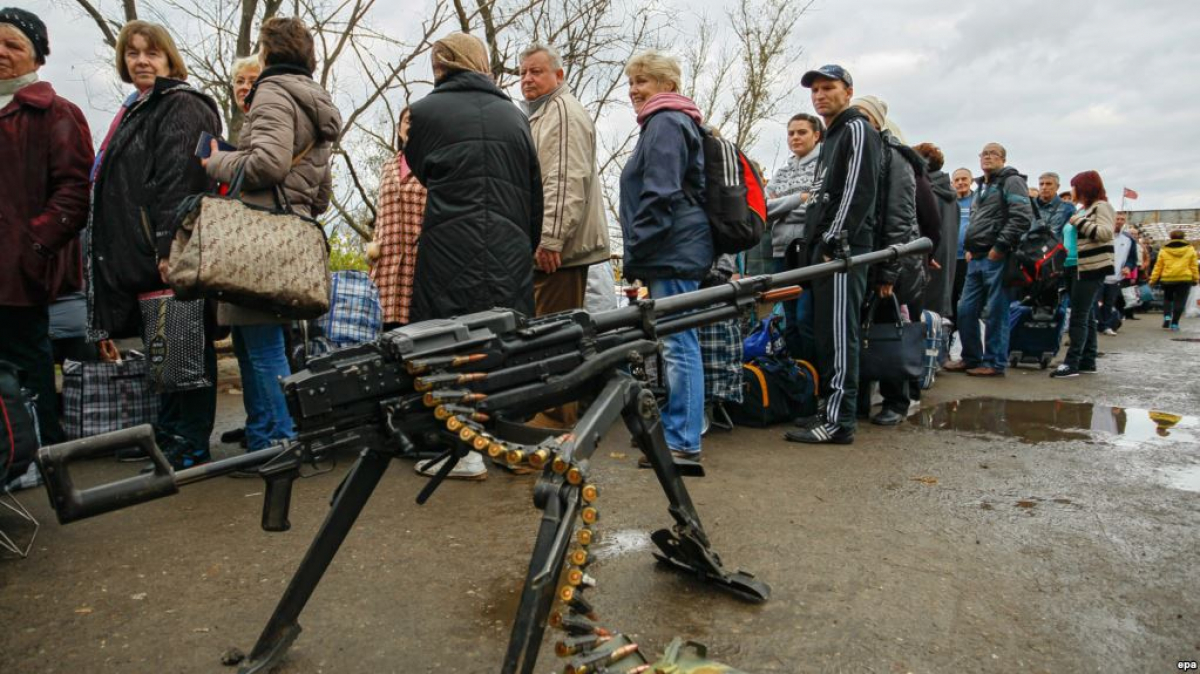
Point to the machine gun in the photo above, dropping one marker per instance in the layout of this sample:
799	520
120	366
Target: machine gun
467	384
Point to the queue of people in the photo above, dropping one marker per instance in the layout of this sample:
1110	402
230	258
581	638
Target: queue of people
487	203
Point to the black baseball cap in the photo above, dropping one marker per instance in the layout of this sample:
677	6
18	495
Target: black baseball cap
829	72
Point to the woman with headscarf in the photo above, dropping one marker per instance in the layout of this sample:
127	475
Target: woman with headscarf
471	149
393	250
668	243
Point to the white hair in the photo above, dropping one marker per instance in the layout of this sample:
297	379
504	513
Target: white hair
243	63
556	61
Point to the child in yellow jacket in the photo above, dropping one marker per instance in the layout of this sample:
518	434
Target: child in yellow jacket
1176	272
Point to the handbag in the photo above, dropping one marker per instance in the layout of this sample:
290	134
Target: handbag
173	334
268	259
355	315
1132	297
103	397
891	351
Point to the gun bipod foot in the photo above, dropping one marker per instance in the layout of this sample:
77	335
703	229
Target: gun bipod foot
692	558
265	658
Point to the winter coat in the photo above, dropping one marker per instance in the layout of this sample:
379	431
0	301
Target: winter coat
400	211
573	223
45	156
843	201
939	293
1055	214
286	141
896	212
1000	214
150	166
471	148
798	176
667	235
1093	240
1176	264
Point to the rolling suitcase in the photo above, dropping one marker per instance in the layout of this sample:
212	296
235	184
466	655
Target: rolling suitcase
1035	333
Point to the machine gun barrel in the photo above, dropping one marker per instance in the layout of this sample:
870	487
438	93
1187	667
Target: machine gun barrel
746	289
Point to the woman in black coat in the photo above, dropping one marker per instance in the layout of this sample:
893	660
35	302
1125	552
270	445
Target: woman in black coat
146	166
471	148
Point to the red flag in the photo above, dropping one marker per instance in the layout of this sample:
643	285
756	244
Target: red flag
1130	194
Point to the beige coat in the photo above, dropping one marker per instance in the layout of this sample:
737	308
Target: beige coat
573	222
290	114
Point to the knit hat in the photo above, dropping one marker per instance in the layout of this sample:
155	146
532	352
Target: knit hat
460	51
33	28
873	106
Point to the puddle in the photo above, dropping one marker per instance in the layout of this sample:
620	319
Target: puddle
623	542
1037	421
1186	479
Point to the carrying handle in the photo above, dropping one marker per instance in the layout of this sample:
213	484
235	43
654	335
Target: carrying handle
869	310
71	504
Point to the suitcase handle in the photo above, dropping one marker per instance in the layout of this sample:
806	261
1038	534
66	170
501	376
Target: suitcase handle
72	504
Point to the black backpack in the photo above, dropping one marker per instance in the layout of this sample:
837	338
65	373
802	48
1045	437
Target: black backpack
734	198
18	425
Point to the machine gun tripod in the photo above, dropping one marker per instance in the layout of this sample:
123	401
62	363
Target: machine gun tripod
462	385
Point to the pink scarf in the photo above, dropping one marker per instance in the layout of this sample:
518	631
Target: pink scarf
405	171
670	101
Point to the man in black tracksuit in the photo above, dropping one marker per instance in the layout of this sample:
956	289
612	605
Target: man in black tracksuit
841	222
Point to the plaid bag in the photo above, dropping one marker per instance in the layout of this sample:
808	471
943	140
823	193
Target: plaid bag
721	353
355	315
173	333
103	397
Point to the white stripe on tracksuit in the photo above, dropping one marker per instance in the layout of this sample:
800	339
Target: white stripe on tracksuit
833	409
857	129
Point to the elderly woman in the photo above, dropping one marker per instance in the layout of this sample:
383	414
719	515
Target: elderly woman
285	145
45	155
668	244
146	167
401	209
245	73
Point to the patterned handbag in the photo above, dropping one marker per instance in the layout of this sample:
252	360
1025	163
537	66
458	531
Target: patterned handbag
267	259
103	397
173	334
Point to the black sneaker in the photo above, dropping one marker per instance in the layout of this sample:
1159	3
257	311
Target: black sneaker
1087	369
821	435
887	417
1064	371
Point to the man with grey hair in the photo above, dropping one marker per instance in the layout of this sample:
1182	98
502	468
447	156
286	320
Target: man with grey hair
574	229
1052	210
1000	215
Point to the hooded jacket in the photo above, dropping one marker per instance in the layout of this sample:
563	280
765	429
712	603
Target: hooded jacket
847	182
286	142
471	149
149	166
1000	214
1055	214
799	175
939	293
666	231
45	155
573	222
1176	264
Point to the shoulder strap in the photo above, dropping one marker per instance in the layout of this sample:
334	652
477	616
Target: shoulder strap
303	153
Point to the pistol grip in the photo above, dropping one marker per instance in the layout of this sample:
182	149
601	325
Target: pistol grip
278	501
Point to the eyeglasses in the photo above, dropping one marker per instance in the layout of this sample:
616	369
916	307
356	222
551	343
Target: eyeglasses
990	153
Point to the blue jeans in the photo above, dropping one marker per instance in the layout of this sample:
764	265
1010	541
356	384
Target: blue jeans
984	287
684	417
262	359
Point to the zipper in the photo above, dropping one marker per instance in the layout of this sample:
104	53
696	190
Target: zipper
145	220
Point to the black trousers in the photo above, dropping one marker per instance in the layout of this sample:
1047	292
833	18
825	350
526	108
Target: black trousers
837	305
1084	326
1174	301
191	415
960	280
25	342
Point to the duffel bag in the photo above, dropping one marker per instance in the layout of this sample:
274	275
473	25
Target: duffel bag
18	425
103	397
775	390
355	314
937	346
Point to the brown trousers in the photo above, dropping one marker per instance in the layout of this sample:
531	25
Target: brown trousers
563	290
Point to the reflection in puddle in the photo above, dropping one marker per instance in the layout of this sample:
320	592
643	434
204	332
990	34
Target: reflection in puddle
616	543
1187	479
1034	421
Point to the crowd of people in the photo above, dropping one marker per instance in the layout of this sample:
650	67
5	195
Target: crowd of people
490	204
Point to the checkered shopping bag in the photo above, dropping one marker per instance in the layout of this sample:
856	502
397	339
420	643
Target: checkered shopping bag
103	397
355	315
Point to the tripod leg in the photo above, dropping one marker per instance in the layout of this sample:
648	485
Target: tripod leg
686	547
283	628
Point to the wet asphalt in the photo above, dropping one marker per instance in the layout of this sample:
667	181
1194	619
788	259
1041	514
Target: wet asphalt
1015	525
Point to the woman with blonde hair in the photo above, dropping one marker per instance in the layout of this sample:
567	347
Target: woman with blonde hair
668	244
145	167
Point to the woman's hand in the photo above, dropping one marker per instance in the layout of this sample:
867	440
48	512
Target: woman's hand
163	267
108	351
213	148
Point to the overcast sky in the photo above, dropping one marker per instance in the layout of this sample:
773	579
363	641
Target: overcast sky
1066	86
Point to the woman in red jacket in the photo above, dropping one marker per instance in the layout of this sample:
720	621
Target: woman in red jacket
45	154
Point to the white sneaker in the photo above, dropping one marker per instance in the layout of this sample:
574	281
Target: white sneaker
470	467
1110	332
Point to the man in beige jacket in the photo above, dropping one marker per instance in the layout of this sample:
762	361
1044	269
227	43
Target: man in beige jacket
574	229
